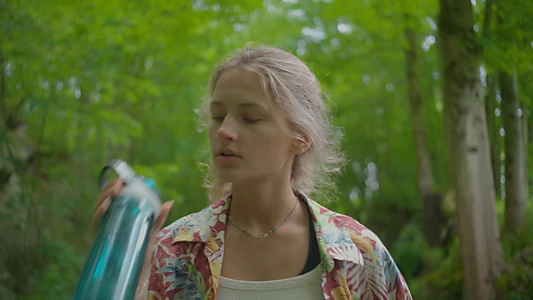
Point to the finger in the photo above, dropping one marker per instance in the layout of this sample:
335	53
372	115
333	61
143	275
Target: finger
103	195
100	212
165	209
111	190
117	187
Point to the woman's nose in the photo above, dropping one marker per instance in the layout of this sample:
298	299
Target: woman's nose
227	130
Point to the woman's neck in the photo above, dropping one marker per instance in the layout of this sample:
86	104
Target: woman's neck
259	208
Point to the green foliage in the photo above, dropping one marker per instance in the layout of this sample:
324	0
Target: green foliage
445	278
409	251
88	82
436	273
60	272
430	272
508	46
515	282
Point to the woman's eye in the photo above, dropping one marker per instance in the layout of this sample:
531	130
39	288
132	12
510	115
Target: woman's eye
251	120
218	118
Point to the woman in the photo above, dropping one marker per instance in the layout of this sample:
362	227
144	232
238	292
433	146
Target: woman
263	238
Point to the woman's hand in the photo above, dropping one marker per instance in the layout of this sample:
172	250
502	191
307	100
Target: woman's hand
110	191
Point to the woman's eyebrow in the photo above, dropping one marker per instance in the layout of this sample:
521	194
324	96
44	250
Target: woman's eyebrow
251	105
242	105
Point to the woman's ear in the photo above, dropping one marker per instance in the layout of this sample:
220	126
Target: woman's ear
301	145
301	142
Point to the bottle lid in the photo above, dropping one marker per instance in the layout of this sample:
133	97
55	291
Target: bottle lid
152	185
133	182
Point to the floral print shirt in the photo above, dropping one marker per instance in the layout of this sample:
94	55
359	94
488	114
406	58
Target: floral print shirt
188	257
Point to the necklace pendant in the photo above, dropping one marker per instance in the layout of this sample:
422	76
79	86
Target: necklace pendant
265	235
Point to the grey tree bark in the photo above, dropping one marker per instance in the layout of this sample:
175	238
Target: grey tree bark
514	148
430	202
494	133
525	149
490	108
468	147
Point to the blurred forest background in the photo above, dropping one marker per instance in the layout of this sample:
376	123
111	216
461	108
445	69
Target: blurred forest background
433	98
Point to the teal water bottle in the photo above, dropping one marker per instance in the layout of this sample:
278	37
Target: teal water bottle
114	264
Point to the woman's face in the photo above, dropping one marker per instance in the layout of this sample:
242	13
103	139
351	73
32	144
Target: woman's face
249	132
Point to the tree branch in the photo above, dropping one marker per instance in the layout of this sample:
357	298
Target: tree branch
3	107
8	24
487	22
10	118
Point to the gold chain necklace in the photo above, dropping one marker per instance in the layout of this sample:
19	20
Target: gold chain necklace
271	231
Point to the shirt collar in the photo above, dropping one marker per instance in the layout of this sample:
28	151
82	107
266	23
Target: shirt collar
335	240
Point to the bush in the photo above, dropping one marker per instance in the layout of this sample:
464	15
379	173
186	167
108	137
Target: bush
431	273
437	273
59	276
517	276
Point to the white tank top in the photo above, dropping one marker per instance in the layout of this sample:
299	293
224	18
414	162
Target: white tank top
307	286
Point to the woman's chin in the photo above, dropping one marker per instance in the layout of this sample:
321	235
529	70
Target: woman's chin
236	178
229	175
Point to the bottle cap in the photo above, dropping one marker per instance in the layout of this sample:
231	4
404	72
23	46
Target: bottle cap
133	184
152	185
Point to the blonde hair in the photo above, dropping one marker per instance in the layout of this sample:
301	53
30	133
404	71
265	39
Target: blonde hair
296	89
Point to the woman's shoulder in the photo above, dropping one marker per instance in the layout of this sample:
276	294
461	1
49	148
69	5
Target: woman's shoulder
343	227
331	218
194	227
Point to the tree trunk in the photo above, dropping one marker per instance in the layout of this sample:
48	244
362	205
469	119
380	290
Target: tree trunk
468	146
432	211
513	147
525	151
523	87
490	109
494	134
